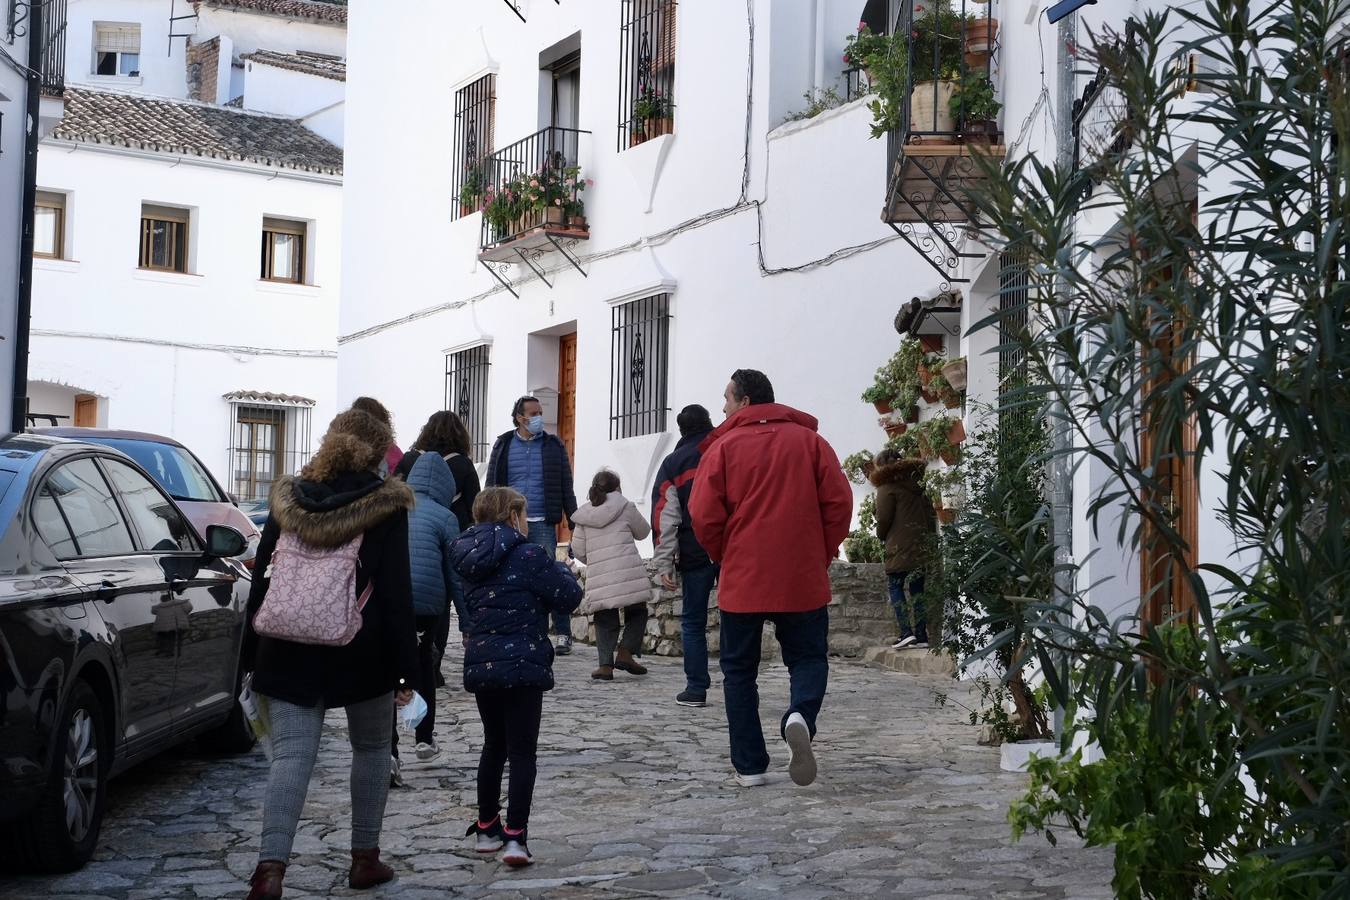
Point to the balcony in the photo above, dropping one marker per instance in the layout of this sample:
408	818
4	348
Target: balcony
53	39
532	203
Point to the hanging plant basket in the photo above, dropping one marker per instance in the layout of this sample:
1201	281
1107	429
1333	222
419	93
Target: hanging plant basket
950	456
951	399
896	429
955	373
956	435
928	396
882	406
980	36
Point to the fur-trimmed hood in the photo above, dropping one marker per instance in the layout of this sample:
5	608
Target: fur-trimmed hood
331	513
905	472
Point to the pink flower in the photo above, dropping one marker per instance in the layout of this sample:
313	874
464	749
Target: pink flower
846	59
534	182
590	183
862	26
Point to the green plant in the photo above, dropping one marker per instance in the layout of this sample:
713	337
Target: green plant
855	466
897	380
651	103
974	100
934	435
504	207
862	544
475	183
885	59
938	35
818	100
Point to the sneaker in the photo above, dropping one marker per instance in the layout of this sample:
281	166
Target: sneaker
563	646
903	642
802	764
517	852
395	773
757	780
428	752
689	698
491	837
919	645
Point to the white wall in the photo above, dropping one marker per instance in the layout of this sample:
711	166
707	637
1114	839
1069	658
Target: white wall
314	100
13	103
251	31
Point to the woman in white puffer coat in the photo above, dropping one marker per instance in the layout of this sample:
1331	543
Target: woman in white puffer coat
604	537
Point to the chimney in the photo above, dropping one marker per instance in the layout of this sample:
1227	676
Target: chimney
203	70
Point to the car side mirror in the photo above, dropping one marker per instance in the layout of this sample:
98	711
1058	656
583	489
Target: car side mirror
224	541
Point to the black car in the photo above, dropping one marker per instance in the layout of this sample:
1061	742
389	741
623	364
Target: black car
120	632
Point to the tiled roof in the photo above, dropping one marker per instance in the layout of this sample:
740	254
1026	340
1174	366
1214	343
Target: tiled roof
321	64
319	10
184	127
267	397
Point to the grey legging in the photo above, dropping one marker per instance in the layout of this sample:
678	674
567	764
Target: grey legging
295	747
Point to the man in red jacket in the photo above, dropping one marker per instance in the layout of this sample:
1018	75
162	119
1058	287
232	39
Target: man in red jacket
771	505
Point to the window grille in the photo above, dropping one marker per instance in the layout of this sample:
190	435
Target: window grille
1014	315
646	70
639	360
466	394
267	440
475	126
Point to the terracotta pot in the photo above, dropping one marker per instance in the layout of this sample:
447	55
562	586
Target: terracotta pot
925	374
930	108
897	429
980	35
931	343
982	131
658	127
957	433
955	373
937	503
882	406
951	399
636	138
946	516
578	223
553	215
466	210
950	456
928	396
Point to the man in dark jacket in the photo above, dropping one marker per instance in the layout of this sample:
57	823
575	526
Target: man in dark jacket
678	549
771	504
535	463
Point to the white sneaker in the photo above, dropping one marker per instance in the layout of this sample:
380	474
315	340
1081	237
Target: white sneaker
903	643
919	645
802	765
428	752
758	780
517	854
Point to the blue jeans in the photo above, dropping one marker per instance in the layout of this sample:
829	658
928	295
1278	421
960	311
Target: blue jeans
546	536
804	639
895	582
696	586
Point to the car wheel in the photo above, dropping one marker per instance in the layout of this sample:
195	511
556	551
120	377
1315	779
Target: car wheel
62	831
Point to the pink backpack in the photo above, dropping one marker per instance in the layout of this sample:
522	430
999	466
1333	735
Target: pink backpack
311	593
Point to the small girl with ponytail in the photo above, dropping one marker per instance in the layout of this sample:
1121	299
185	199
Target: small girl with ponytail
605	533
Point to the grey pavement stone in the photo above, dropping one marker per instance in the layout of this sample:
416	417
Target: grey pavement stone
634	799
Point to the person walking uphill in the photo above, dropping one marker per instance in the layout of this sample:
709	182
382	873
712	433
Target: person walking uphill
336	536
534	463
771	504
677	548
512	586
605	538
905	521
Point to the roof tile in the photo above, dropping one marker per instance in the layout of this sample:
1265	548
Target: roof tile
320	64
318	10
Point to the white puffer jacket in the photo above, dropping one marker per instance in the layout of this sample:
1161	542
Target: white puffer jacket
604	538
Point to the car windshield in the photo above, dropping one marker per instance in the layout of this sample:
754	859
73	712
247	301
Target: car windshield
176	470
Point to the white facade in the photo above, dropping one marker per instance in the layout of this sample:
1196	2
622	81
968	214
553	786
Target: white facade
159	351
686	214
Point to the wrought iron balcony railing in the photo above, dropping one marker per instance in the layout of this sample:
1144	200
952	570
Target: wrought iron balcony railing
53	38
532	184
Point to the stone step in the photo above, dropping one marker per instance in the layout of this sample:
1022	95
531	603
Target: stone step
912	662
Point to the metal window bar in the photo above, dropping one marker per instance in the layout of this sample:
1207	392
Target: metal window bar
1014	300
466	394
543	158
266	442
855	83
646	70
639	362
475	127
53	39
951	43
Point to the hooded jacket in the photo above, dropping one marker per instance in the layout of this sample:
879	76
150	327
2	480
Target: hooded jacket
432	529
905	515
383	655
677	474
604	538
771	505
559	498
511	586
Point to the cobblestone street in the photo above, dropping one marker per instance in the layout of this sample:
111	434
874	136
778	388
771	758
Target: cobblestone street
634	799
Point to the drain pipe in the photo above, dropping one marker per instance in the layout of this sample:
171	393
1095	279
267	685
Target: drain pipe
24	306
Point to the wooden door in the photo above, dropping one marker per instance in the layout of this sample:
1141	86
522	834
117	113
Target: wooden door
86	411
567	412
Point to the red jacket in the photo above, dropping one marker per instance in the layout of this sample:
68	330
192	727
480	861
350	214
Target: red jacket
771	504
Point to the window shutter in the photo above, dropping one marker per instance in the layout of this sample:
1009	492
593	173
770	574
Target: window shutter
164	213
113	38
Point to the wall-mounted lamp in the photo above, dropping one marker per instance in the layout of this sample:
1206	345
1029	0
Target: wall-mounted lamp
1064	7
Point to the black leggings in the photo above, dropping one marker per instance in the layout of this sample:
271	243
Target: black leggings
510	732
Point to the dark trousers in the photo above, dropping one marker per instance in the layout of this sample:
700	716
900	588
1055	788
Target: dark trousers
607	636
546	536
696	586
804	639
510	732
901	603
427	662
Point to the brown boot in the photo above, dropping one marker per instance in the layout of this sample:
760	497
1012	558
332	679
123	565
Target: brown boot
604	673
624	660
367	870
266	881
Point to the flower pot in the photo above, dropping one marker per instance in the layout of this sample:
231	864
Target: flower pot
931	343
981	131
950	456
896	429
980	36
553	215
957	433
466	209
930	108
577	223
637	137
1014	756
946	516
658	127
955	373
951	399
928	396
912	414
882	406
925	374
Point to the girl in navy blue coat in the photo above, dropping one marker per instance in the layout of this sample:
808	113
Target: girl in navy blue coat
511	588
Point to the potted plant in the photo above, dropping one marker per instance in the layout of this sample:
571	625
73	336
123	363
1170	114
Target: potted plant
979	36
955	373
653	115
941	436
929	366
893	422
858	466
936	40
471	192
975	106
885	60
879	394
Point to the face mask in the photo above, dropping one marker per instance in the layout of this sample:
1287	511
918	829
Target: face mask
535	425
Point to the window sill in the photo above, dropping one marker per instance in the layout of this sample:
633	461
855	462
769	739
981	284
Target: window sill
53	264
289	288
163	277
124	80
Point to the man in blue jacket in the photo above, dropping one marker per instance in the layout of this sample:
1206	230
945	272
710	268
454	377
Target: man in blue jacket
535	463
678	549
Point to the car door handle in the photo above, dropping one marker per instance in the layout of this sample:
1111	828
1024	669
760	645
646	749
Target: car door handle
106	591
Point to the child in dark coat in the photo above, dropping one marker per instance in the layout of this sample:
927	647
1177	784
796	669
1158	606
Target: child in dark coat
511	589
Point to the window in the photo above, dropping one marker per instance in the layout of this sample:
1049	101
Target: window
646	71
639	357
160	526
565	102
117	49
164	238
466	393
77	516
176	469
49	225
475	126
269	437
283	251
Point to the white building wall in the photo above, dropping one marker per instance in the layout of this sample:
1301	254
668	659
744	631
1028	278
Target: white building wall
13	105
316	101
160	349
251	31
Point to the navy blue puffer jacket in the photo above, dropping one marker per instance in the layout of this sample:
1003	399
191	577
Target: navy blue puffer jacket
511	586
432	529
